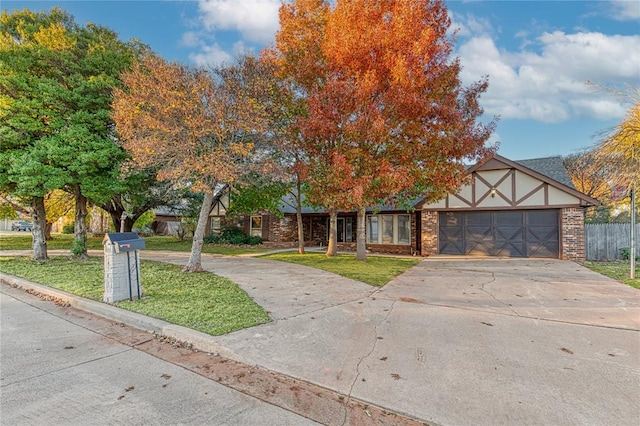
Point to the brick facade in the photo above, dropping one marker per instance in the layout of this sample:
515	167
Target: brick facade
282	233
429	232
572	244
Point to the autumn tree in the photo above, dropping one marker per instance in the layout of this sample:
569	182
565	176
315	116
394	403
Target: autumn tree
197	127
56	79
619	149
387	118
591	178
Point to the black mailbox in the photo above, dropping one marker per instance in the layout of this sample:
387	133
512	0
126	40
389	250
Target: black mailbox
124	241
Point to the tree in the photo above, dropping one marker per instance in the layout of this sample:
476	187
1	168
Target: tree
197	127
387	118
619	150
57	79
139	192
592	179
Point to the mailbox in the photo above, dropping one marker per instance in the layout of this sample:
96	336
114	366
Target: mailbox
124	241
122	266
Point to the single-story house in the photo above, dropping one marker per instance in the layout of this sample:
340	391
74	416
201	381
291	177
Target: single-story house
525	208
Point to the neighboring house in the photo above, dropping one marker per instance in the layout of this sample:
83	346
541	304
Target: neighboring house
527	208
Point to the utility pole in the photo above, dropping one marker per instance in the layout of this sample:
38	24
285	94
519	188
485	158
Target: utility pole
632	274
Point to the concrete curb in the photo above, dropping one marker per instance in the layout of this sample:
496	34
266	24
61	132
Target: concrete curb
196	339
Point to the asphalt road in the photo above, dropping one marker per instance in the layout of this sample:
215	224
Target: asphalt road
55	371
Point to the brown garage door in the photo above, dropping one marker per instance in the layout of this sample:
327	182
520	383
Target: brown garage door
518	233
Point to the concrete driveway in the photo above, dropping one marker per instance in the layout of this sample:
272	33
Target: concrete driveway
457	342
450	342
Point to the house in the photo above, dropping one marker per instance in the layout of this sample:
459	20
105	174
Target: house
526	208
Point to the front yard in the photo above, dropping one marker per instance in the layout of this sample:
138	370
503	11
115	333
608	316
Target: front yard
64	241
618	270
203	301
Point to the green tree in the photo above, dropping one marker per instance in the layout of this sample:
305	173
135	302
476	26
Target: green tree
56	81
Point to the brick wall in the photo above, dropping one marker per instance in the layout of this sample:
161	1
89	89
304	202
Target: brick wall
429	233
572	231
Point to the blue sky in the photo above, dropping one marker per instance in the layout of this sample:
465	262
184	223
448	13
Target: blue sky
537	54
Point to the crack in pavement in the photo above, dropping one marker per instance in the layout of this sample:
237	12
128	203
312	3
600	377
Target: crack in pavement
373	348
493	279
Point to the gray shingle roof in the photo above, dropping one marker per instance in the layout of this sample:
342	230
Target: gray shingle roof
551	167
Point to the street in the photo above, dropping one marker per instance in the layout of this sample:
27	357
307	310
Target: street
56	371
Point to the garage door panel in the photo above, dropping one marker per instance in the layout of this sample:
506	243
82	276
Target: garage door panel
478	248
510	249
519	233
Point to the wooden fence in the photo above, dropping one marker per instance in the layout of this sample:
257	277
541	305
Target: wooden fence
604	240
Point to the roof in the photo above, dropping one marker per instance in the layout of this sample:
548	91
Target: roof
552	167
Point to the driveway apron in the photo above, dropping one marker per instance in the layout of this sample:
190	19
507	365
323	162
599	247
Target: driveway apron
492	342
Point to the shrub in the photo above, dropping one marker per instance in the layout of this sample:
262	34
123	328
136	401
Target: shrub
234	236
68	229
625	252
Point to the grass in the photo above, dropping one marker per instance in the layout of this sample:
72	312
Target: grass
618	270
64	241
376	270
203	301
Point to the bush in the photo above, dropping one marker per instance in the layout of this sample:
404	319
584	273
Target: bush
233	235
68	229
625	252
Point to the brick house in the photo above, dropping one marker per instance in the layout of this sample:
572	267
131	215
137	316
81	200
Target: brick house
527	208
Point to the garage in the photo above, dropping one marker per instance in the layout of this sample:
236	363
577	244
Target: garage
517	233
528	208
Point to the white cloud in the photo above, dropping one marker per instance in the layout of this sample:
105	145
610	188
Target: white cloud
190	39
256	20
469	25
211	55
625	10
548	84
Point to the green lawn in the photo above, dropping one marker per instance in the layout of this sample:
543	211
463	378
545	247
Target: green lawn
618	270
202	301
376	270
64	241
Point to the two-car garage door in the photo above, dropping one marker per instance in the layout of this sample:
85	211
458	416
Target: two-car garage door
516	233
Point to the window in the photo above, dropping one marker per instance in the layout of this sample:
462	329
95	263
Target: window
389	229
216	225
372	229
256	226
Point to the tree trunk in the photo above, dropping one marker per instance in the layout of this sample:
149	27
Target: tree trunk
333	233
194	264
47	231
361	239
79	247
39	225
299	219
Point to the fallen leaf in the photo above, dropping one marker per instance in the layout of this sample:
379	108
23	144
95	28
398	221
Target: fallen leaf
567	351
395	376
130	388
384	358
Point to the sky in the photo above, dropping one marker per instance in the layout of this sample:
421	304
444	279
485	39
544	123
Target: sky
538	55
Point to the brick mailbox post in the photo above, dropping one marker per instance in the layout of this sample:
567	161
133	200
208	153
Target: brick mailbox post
122	266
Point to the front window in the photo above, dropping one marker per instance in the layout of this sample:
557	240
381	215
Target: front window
256	226
372	229
389	229
216	225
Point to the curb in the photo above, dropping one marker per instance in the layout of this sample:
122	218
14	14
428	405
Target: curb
198	340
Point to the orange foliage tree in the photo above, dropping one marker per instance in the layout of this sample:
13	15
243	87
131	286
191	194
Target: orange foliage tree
387	117
197	127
